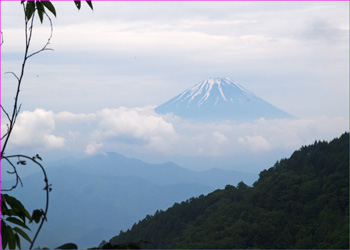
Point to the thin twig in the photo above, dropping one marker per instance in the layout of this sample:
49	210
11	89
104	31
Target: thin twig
47	189
48	40
2	137
18	179
19	82
12	74
2	108
18	110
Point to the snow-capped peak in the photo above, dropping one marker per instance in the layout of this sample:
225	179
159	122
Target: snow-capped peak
219	98
205	87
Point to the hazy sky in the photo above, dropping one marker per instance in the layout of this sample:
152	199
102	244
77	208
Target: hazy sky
124	55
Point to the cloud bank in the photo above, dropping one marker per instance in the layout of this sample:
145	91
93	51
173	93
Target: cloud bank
35	129
142	131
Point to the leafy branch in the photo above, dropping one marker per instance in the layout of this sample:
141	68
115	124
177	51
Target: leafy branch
12	210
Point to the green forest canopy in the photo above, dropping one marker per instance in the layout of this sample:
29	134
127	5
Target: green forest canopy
300	202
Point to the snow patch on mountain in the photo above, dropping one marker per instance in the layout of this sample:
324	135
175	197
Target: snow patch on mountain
220	99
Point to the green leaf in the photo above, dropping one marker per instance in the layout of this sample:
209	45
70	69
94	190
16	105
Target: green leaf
17	207
38	157
51	8
23	234
78	4
40	10
23	162
30	9
17	222
4	208
4	234
36	216
90	4
13	202
11	238
18	241
68	246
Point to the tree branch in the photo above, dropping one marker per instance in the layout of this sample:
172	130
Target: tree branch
18	179
7	115
12	74
16	109
46	188
48	40
2	137
28	37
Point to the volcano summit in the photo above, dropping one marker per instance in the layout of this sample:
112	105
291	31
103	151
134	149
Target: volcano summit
217	99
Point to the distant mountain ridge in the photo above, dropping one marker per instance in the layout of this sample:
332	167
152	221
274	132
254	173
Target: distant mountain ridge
95	197
218	99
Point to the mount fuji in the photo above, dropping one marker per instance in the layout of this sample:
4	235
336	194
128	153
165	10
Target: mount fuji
217	99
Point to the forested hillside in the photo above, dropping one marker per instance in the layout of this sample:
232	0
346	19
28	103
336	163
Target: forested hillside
300	202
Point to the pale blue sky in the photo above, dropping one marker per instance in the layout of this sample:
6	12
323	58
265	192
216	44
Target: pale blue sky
295	55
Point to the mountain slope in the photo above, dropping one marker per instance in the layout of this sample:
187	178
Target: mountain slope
220	99
301	202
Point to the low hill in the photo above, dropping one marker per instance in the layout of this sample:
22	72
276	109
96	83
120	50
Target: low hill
300	202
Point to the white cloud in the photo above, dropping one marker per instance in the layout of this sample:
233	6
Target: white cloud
92	148
219	137
131	122
66	116
35	129
231	138
255	143
133	126
140	131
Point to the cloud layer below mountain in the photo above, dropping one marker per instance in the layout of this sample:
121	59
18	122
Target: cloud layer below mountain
134	131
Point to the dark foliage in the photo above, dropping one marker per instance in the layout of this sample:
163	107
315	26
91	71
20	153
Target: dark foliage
300	202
